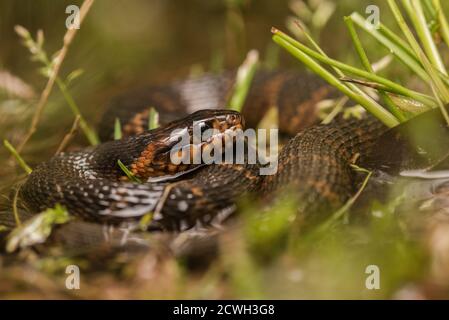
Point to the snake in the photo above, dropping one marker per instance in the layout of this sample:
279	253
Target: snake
314	166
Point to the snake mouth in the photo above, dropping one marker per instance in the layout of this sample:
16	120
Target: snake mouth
180	146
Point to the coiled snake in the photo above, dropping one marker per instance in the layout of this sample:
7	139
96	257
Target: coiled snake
314	166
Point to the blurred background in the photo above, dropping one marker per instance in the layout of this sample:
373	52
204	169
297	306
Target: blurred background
138	42
124	44
133	43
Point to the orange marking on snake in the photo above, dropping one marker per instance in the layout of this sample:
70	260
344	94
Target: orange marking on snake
324	188
136	125
141	167
305	107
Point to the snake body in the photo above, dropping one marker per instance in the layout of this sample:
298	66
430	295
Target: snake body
314	166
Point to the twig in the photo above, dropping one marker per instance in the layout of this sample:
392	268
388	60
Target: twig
14	207
336	110
165	194
69	136
68	38
89	133
15	154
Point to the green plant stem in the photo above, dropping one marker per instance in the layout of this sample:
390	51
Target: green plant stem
350	85
14	208
444	25
366	63
436	80
383	115
88	132
117	129
128	173
394	87
66	140
317	47
339	213
400	49
442	107
68	38
336	110
244	78
429	8
153	119
17	156
358	45
416	14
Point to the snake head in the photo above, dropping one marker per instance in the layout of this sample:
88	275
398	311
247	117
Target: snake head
178	147
207	119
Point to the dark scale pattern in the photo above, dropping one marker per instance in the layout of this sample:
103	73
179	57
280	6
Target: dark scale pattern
75	182
314	165
172	101
297	99
213	191
294	93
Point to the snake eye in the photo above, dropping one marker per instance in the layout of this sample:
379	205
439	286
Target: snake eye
203	126
199	129
234	120
231	118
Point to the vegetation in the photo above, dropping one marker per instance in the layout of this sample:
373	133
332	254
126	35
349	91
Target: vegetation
264	253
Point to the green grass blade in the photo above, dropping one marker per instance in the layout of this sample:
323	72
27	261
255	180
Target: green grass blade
366	63
153	119
416	14
17	156
393	87
444	25
117	129
243	81
442	91
88	132
399	48
351	86
128	173
380	113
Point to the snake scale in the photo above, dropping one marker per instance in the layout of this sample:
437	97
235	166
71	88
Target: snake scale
314	165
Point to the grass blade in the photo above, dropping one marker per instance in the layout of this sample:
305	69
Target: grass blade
380	113
243	81
128	173
393	87
17	156
416	14
153	119
399	48
365	62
